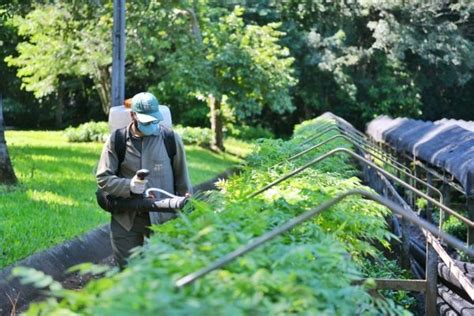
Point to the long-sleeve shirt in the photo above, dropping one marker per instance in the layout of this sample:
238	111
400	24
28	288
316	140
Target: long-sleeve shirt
146	152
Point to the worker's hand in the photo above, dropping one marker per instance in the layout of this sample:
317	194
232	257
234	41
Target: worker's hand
137	186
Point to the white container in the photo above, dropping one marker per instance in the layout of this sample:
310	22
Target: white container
119	116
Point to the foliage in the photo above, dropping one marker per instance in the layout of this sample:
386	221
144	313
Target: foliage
249	132
87	132
292	274
384	268
357	59
200	136
233	64
455	227
63	39
58	184
364	58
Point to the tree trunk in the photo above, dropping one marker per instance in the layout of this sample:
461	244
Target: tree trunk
7	175
217	123
196	30
103	86
59	113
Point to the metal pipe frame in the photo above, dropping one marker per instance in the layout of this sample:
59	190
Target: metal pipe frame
443	178
190	278
426	184
379	144
349	130
361	139
327	127
371	164
427	169
356	142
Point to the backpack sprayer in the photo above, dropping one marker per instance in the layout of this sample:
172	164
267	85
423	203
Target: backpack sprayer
171	202
119	117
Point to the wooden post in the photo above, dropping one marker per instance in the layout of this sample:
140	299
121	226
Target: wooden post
118	61
405	258
446	191
429	205
416	173
431	276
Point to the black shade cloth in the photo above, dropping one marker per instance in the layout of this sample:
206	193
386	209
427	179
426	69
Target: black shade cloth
443	144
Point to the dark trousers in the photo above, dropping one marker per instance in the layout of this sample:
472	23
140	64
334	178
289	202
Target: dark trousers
124	241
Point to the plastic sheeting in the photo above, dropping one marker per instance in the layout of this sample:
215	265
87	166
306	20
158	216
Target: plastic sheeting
446	144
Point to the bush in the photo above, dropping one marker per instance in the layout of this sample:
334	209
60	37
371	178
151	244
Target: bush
455	227
249	132
195	135
88	132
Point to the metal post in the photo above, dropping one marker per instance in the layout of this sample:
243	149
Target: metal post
118	61
407	194
431	276
470	210
416	173
405	258
429	205
446	191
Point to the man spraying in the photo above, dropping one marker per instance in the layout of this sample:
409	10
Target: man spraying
146	144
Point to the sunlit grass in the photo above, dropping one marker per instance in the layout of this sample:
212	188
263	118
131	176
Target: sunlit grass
55	200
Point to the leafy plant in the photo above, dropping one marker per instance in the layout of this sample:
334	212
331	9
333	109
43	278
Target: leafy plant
455	227
308	270
200	136
249	132
88	132
384	268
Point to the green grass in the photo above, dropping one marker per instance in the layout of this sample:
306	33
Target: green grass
55	199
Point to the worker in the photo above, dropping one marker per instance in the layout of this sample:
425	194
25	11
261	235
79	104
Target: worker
146	146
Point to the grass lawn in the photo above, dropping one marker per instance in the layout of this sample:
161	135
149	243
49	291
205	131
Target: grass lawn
55	200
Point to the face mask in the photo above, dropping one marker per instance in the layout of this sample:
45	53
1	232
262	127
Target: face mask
149	129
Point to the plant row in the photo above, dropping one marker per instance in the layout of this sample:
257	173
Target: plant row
308	270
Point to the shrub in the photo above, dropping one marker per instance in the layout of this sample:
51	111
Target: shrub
88	132
455	227
200	136
249	132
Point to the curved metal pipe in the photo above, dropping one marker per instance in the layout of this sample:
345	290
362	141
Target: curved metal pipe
362	140
325	126
426	184
369	163
372	145
190	278
427	169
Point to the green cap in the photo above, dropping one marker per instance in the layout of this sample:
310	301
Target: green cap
147	107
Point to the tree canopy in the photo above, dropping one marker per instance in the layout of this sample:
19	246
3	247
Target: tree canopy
260	60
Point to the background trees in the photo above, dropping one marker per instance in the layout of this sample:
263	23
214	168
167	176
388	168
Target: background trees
357	59
236	69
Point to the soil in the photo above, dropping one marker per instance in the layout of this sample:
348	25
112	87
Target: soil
74	281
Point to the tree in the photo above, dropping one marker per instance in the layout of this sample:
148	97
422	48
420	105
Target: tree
64	40
364	58
236	68
7	175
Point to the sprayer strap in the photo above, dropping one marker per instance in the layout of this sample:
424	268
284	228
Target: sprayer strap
120	139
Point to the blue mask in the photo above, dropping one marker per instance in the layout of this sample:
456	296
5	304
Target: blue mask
148	129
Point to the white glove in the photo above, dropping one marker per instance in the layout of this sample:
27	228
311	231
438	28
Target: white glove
137	186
